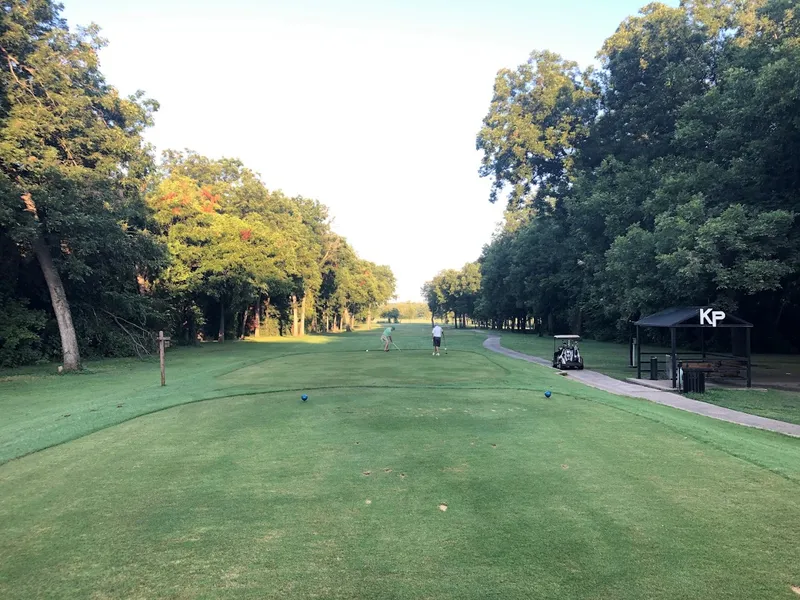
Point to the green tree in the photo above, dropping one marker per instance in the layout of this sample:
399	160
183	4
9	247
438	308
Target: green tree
71	156
391	314
538	116
682	190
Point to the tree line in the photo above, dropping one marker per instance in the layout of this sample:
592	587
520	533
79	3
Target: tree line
406	311
668	176
101	245
455	292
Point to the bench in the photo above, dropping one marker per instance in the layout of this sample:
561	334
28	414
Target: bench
725	368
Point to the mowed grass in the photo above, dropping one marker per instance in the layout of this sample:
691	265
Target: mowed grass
773	404
613	359
253	493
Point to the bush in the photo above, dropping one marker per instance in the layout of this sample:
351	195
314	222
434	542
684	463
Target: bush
20	333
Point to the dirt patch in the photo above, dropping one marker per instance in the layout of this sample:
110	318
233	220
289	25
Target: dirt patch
402	475
387	470
368	502
120	405
357	443
443	507
66	415
367	473
565	467
494	445
795	589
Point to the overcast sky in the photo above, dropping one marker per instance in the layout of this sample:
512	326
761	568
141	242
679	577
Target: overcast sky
370	107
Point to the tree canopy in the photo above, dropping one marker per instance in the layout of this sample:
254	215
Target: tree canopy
454	291
668	176
124	245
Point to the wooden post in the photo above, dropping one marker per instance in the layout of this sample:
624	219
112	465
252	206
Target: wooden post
674	357
638	355
161	342
749	355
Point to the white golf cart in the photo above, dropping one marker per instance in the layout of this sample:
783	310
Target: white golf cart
567	356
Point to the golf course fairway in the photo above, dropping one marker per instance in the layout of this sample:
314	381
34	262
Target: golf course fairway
404	475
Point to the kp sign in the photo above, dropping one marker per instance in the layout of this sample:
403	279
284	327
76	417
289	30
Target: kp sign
709	316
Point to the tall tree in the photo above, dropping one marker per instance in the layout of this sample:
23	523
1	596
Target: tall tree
539	115
682	190
71	152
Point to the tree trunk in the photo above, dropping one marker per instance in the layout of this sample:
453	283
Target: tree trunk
257	318
244	322
192	329
303	317
577	321
58	297
221	335
369	318
327	323
295	329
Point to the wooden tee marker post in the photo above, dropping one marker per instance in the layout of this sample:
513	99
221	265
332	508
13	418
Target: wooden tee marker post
162	342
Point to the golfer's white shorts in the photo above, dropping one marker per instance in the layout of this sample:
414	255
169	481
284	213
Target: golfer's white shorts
384	338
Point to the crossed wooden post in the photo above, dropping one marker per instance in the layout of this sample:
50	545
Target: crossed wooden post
162	342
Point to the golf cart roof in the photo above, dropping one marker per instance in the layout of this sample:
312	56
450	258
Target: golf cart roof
567	337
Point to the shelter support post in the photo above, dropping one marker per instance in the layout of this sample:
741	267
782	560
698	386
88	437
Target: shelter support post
638	355
674	357
703	341
747	335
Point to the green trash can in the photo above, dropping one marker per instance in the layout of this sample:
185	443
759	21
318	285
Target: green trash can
653	368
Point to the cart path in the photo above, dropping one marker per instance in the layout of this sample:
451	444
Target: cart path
621	388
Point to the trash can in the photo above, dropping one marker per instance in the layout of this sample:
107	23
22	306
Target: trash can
694	382
653	368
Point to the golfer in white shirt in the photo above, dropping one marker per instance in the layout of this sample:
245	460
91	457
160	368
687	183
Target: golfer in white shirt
437	339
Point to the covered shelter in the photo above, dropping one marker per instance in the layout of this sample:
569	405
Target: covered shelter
691	317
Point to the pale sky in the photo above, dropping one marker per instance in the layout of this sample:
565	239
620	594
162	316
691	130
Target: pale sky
371	107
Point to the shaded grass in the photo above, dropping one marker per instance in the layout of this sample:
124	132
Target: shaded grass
773	404
604	357
262	496
612	360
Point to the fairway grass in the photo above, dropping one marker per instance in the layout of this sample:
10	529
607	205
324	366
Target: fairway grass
228	486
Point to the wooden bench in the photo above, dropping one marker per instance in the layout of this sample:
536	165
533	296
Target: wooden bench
726	368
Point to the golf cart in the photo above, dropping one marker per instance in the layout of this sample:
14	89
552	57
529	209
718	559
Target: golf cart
567	356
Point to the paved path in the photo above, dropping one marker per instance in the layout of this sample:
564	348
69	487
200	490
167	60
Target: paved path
621	388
